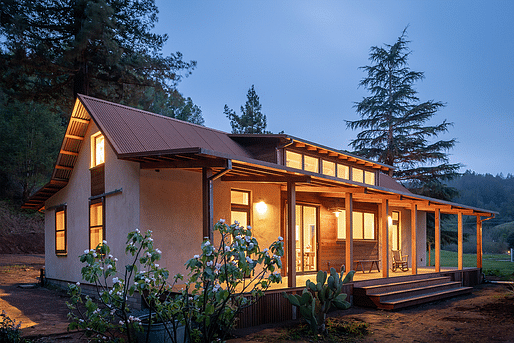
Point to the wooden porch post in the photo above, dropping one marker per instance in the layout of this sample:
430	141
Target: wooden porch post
479	243
207	203
459	240
437	240
413	229
291	234
348	207
385	237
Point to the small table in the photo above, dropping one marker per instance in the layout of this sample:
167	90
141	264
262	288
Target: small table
356	264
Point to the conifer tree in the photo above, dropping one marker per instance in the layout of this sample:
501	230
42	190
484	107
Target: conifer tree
251	120
394	124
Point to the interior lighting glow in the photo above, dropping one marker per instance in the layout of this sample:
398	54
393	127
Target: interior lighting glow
261	207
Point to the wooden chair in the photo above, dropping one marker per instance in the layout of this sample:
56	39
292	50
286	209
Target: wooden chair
400	261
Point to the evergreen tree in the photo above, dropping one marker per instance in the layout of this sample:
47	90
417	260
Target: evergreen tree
251	119
393	123
51	50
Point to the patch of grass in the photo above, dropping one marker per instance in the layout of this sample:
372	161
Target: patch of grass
492	264
14	268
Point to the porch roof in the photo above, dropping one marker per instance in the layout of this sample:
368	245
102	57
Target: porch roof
157	142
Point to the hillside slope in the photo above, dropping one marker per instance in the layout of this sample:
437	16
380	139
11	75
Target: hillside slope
21	232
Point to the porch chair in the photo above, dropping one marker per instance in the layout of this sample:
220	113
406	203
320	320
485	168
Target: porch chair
400	261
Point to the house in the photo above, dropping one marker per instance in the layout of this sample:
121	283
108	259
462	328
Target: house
121	168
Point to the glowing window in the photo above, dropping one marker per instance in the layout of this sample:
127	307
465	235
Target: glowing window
363	225
293	160
358	175
369	178
239	197
343	172
240	207
311	164
96	224
329	168
97	150
60	230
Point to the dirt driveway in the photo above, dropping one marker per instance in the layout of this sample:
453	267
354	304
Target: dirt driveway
485	316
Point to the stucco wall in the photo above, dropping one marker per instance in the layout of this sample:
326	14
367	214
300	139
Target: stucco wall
122	211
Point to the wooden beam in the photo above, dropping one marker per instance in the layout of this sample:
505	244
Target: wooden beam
66	152
479	243
413	228
291	234
207	163
267	179
348	203
312	148
321	189
63	167
80	120
459	240
74	137
299	145
333	154
384	237
437	240
322	151
207	203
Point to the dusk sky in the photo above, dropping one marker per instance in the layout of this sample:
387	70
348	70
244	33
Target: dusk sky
304	56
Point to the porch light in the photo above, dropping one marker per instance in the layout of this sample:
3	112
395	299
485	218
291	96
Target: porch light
337	214
261	207
390	220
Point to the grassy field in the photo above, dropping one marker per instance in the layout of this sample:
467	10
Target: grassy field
492	264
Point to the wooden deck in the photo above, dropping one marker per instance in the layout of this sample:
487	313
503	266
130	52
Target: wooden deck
274	308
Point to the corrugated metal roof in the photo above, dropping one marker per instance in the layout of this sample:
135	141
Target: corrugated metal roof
132	131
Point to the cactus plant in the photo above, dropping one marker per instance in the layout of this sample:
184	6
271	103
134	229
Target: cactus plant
317	298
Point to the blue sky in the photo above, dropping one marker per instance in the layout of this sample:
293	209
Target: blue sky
304	56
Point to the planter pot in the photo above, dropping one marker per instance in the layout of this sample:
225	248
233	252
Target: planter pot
159	333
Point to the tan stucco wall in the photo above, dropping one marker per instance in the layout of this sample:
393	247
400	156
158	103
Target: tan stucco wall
122	211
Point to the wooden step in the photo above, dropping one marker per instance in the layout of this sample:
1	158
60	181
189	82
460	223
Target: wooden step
395	286
395	295
422	299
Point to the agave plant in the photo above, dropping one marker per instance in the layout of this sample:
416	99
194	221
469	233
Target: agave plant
317	298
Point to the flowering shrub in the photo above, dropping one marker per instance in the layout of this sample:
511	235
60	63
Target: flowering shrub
110	316
9	329
225	279
222	281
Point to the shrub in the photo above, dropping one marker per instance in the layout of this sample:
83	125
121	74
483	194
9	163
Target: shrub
9	330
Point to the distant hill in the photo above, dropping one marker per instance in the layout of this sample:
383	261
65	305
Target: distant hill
21	232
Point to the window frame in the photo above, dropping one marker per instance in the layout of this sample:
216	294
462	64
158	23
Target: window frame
235	207
94	139
354	212
100	200
64	251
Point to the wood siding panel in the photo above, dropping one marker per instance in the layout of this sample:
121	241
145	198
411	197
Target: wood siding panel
98	180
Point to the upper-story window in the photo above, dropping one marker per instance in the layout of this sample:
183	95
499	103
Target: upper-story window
330	168
97	150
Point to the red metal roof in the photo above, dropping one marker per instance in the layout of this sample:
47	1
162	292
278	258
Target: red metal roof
132	131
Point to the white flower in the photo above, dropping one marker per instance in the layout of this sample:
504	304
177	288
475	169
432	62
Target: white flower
81	320
110	256
113	312
115	259
236	222
101	268
265	250
148	254
218	266
115	280
94	254
196	256
251	245
86	251
227	248
222	221
249	227
137	230
78	283
92	250
109	266
216	288
209	263
150	239
280	238
147	280
248	239
206	243
156	265
104	241
158	251
121	322
248	259
149	231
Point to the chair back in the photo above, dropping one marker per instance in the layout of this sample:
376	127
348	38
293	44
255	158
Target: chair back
397	255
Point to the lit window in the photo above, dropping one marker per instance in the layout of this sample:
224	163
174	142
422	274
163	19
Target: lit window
240	207
329	168
293	160
60	231
363	225
96	224
394	229
358	175
98	150
311	164
369	178
343	172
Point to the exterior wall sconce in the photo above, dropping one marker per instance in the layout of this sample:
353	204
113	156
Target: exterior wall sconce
261	207
337	214
390	220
